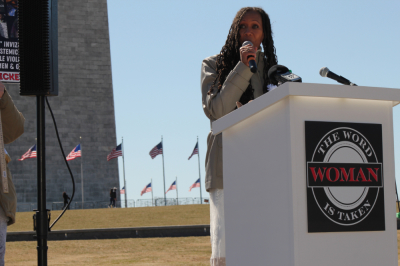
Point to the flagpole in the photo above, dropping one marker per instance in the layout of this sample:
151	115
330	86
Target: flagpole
151	181
162	145
198	157
80	142
123	166
176	184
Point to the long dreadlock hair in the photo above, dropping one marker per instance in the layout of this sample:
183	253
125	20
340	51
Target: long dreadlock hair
230	54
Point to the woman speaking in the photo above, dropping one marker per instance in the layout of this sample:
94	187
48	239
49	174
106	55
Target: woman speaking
226	84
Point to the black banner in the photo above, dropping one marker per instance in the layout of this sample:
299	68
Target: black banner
9	57
344	177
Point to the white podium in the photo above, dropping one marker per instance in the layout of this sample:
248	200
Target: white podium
279	210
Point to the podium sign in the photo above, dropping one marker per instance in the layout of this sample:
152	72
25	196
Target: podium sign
344	177
309	177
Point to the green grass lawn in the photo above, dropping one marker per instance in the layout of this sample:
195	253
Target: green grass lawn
165	251
142	251
139	251
120	217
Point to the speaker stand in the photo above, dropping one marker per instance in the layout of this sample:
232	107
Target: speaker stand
42	214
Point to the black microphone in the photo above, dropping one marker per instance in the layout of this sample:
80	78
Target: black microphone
325	72
252	62
280	74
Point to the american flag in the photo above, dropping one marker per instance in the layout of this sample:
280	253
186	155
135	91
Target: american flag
146	189
116	152
196	184
195	150
122	191
172	187
76	152
156	150
31	153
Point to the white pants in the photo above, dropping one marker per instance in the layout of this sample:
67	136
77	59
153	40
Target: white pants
3	235
217	227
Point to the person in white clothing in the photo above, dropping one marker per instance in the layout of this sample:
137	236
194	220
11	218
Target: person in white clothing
227	83
3	27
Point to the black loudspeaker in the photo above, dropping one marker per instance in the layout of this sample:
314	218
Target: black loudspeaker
38	47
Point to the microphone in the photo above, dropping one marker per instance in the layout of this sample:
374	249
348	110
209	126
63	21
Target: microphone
252	62
325	72
280	74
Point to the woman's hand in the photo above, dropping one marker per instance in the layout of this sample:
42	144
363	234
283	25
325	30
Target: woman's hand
247	52
239	104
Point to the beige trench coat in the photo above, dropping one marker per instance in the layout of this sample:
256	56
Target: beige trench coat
13	127
218	104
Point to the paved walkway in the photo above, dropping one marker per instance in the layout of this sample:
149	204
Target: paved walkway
114	233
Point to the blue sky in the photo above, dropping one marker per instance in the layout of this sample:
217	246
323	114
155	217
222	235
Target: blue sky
157	48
